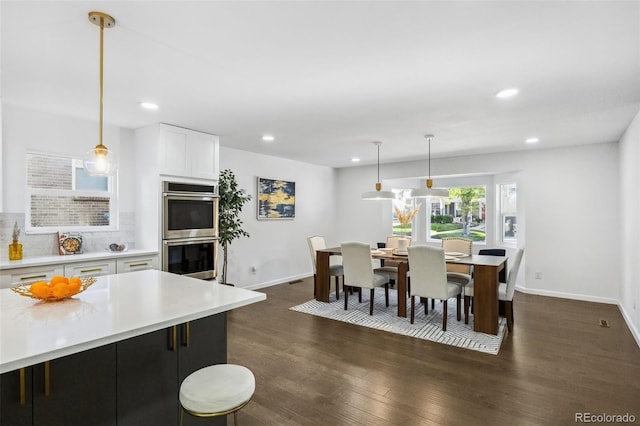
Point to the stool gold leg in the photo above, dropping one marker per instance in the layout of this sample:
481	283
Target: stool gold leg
235	418
181	415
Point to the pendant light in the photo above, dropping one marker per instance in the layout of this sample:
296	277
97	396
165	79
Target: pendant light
99	161
378	194
429	192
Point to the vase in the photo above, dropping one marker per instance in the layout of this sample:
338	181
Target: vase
403	243
15	250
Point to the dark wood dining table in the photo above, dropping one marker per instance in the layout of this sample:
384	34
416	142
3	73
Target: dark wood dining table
487	272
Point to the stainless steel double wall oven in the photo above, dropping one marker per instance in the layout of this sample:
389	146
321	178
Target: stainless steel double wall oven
190	229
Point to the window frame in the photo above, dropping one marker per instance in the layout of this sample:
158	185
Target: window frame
110	194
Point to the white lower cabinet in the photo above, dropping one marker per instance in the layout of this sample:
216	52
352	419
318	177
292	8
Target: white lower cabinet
90	269
139	263
11	277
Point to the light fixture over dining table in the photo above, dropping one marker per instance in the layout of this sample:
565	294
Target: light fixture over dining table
378	194
429	191
99	161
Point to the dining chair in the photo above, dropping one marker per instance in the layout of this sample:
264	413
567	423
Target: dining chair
506	290
429	280
390	267
458	245
358	272
316	242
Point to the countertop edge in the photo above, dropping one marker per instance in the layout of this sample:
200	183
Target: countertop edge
30	262
70	350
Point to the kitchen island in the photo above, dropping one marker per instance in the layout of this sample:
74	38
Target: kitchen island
114	354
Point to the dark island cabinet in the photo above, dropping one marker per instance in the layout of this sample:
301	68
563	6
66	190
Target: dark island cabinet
152	367
134	382
16	398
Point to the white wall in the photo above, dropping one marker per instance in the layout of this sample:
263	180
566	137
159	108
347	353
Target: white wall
25	129
570	197
278	248
630	226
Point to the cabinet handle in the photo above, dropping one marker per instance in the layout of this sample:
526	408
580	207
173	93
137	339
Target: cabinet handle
173	339
136	265
84	271
47	378
23	387
186	341
33	277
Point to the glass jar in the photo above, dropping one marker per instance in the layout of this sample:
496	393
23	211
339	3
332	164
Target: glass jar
15	250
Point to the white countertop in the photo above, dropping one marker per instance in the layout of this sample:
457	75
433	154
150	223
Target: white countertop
71	258
115	308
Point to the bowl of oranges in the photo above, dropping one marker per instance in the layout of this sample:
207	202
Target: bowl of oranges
59	288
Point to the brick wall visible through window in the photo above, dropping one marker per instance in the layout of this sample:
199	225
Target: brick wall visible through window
55	200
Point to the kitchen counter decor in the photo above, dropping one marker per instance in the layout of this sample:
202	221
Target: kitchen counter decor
15	248
59	288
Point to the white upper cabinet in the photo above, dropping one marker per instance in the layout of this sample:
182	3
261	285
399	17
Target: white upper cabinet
187	153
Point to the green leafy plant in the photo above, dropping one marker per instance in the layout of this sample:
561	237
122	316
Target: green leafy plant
232	199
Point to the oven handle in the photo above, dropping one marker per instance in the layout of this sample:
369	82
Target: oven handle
188	241
190	196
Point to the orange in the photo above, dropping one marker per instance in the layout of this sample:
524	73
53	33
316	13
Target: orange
41	290
58	279
61	290
74	285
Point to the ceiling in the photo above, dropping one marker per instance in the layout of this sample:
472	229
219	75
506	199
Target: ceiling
328	78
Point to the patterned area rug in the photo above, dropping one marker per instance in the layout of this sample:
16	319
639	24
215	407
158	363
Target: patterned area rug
385	318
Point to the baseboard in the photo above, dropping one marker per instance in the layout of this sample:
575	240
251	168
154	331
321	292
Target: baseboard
563	295
630	324
278	281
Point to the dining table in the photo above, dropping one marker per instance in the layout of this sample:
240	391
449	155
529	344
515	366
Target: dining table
488	271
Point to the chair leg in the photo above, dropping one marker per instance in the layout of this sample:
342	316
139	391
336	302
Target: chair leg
444	315
413	306
508	305
433	303
458	297
346	299
426	306
235	418
337	287
467	301
371	294
386	294
359	294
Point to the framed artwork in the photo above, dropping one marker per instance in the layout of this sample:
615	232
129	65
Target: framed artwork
276	199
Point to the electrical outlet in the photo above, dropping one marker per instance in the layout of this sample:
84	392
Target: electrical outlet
538	275
253	269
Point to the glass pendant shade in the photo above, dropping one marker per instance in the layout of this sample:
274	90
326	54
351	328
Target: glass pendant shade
99	161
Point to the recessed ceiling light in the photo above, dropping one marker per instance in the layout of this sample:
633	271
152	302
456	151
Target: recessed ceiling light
268	138
507	93
355	160
532	140
149	105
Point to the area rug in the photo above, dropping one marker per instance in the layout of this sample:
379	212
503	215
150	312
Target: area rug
427	327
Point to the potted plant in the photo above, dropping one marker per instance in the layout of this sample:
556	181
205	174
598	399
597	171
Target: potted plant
232	199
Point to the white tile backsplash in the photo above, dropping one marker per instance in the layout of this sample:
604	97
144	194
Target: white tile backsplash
35	245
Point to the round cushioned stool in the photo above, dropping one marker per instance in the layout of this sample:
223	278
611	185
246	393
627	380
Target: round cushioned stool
217	390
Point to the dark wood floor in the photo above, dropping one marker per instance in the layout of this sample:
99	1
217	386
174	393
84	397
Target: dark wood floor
314	371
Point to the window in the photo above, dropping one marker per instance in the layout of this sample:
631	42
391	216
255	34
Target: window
62	195
463	214
507	195
404	212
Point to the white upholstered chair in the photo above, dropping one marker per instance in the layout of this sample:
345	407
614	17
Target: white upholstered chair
505	290
458	273
358	272
429	280
316	242
390	267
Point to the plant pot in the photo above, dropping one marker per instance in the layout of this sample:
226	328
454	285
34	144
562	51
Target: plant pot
15	251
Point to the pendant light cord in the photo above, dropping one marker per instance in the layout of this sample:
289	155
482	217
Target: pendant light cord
378	162
101	73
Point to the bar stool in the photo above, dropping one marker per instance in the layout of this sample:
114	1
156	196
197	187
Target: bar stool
217	390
